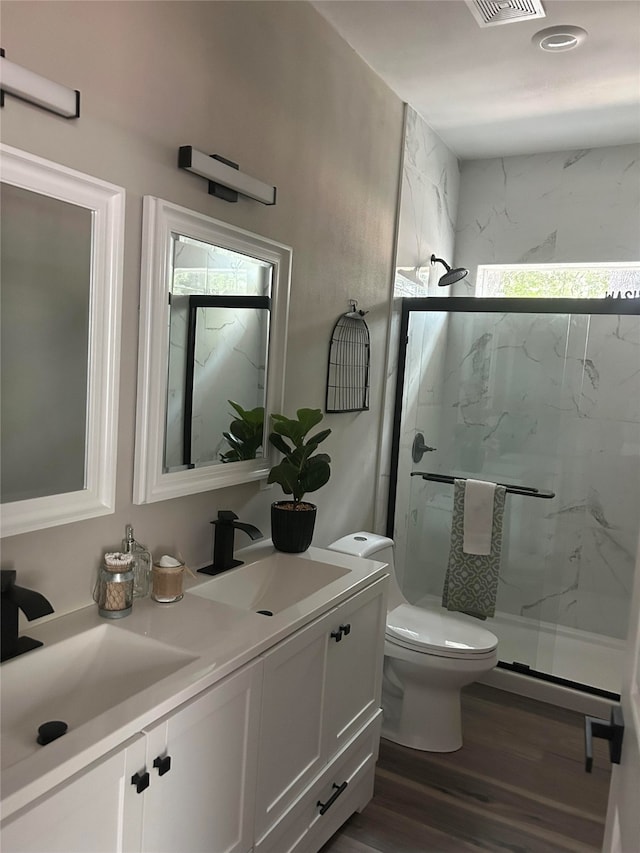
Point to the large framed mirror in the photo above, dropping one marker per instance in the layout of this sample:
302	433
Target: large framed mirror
213	326
61	269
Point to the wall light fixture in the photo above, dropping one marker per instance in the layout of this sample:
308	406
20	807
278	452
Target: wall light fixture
31	87
226	181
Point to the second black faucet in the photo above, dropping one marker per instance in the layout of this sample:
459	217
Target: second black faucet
225	526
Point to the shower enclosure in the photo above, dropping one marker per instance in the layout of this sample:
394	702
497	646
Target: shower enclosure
542	394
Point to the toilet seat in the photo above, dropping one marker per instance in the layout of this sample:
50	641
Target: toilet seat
435	633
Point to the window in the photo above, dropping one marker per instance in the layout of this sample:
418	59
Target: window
592	281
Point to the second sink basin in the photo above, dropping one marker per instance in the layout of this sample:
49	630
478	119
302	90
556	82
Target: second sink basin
272	584
76	680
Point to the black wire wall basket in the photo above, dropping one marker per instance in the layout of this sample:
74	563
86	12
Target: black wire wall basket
348	369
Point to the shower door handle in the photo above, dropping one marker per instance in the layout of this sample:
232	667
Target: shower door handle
611	730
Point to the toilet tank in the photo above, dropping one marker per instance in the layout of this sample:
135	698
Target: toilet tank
364	544
372	547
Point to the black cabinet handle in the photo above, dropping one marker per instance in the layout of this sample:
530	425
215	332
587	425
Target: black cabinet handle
141	781
162	764
338	790
611	730
337	635
346	629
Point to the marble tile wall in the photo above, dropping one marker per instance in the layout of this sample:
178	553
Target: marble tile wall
428	208
426	221
567	206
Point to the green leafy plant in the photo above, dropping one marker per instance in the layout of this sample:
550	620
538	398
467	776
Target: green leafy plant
300	471
245	433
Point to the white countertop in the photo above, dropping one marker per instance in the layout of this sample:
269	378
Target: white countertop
221	638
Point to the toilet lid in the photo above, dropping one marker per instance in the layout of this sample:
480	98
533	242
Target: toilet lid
437	632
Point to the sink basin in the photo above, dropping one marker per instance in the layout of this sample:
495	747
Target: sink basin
272	585
76	680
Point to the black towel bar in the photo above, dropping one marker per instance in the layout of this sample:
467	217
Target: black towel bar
526	491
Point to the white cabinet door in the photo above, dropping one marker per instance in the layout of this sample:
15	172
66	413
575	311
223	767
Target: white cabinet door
292	751
354	665
85	813
202	765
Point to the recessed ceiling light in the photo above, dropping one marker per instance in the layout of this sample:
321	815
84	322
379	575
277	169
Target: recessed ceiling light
557	39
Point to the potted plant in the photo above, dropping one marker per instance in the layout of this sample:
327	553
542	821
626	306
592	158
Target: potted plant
245	434
301	470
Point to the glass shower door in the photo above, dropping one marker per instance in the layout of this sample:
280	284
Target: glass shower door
530	399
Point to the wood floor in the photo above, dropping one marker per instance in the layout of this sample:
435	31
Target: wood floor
517	785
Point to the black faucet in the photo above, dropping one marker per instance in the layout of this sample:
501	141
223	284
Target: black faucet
15	598
225	527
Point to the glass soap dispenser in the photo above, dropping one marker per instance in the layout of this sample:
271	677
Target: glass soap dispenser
141	563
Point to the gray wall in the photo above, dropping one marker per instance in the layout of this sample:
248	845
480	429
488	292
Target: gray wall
271	86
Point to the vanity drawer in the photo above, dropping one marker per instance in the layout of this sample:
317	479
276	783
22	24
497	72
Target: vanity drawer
302	829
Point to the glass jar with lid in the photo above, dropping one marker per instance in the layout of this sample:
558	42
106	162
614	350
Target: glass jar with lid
114	590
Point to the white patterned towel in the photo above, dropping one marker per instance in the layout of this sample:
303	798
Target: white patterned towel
471	581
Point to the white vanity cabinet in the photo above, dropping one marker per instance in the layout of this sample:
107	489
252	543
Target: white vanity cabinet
320	709
184	785
85	813
272	758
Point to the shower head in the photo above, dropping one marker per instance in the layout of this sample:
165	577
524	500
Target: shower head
451	276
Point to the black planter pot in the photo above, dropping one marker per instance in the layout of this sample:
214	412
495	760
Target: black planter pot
292	529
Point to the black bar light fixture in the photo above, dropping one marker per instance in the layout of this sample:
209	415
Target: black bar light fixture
28	86
451	276
226	181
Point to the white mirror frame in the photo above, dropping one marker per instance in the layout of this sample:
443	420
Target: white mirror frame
106	203
161	219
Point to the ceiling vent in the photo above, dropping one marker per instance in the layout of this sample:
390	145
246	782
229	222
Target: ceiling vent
490	13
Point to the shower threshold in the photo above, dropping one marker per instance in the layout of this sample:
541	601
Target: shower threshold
567	657
525	669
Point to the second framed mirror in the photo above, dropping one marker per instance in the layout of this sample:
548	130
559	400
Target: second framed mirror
213	327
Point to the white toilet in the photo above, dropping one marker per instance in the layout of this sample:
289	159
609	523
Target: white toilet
429	656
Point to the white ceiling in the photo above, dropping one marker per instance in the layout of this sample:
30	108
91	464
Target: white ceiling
488	91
